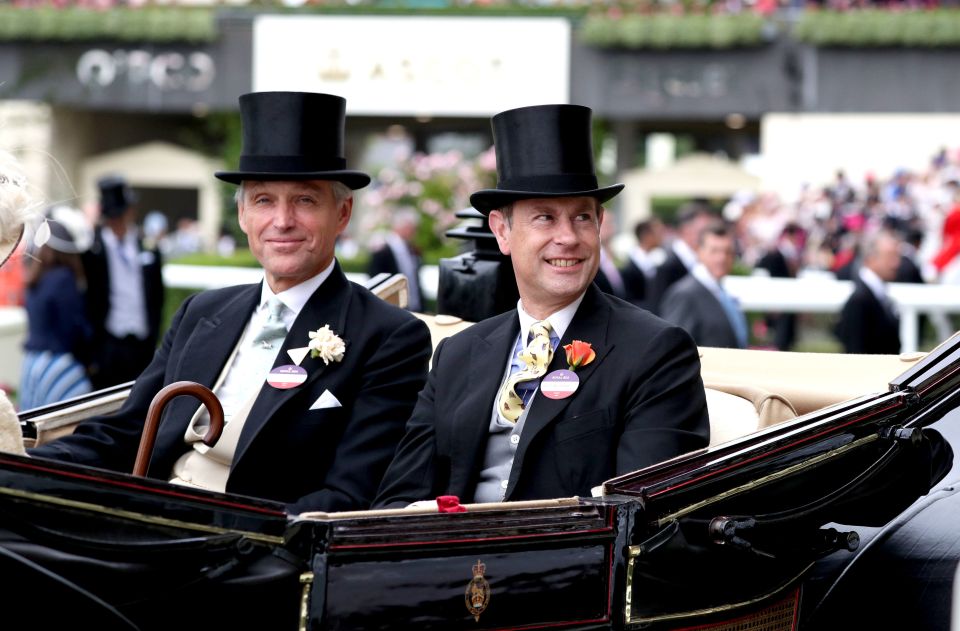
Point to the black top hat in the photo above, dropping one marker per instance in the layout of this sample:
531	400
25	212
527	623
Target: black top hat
116	196
293	136
542	151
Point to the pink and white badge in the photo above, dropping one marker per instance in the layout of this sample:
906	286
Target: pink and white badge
560	384
287	376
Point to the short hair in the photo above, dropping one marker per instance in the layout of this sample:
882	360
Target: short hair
691	210
341	191
871	242
716	229
642	228
404	215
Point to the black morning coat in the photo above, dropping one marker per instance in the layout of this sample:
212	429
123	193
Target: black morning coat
639	402
326	459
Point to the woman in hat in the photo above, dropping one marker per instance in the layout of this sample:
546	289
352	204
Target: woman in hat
58	331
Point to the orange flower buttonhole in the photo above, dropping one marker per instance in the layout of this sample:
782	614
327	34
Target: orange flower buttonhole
579	354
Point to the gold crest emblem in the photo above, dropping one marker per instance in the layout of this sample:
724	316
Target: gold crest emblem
477	595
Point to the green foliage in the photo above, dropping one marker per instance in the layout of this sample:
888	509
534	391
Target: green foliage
152	24
436	186
662	31
240	258
880	28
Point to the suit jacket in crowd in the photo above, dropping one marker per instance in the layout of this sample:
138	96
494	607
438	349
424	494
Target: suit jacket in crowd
669	272
328	459
866	325
97	271
639	402
635	284
694	308
384	261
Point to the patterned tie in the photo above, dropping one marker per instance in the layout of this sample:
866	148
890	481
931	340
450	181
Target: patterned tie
536	357
274	330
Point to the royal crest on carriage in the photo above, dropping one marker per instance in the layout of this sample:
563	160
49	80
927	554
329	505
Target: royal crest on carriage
477	595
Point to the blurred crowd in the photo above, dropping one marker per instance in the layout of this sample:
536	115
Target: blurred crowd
824	228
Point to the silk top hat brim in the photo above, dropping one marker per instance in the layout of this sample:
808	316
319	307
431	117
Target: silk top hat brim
293	136
543	151
495	198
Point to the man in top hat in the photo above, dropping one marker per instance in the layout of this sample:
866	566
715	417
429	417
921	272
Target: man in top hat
574	386
124	289
316	375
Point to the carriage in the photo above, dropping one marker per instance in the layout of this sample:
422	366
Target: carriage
825	500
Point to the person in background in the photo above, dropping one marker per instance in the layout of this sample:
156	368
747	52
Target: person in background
400	256
640	269
784	261
681	258
699	304
58	333
124	290
608	277
869	322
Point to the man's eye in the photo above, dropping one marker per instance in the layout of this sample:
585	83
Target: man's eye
306	200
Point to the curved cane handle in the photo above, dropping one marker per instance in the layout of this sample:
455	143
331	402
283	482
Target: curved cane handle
152	424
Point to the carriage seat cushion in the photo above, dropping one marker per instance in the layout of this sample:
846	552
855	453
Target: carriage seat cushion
737	410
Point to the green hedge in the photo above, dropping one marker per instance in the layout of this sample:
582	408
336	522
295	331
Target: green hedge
879	28
662	31
155	24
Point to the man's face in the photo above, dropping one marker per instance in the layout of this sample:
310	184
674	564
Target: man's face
717	254
885	259
555	247
292	227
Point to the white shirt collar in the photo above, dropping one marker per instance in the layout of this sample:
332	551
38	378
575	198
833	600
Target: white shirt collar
686	255
559	321
706	279
874	282
297	296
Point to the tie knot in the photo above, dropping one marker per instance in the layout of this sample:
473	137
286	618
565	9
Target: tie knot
275	307
272	328
540	328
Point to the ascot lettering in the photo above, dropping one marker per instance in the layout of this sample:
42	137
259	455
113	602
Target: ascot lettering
193	72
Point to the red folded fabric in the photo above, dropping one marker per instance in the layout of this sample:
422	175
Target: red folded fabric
449	504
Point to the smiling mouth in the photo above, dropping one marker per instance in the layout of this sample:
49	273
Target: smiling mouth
563	262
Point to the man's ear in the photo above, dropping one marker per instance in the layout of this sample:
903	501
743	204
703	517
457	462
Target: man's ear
501	230
241	217
346	211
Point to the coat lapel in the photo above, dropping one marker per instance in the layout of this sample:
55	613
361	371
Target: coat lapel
479	385
328	305
588	325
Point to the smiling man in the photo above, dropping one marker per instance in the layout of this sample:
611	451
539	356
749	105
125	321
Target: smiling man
574	386
316	375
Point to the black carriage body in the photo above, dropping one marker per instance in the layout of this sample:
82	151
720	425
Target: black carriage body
781	529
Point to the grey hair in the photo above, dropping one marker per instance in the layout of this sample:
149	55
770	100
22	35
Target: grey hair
871	242
341	192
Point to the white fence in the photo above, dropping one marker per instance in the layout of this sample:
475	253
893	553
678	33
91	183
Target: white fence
756	294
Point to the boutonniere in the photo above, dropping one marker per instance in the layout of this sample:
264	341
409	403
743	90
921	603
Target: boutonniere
326	345
579	354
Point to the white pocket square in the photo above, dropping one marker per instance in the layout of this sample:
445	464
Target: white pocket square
325	401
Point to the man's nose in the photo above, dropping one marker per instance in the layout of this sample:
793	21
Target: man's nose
563	231
283	215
